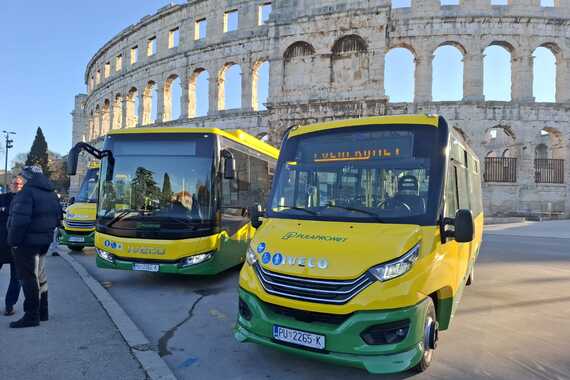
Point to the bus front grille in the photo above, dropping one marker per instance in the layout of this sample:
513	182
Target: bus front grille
90	225
335	292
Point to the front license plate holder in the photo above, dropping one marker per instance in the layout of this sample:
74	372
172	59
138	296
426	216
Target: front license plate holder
146	267
299	338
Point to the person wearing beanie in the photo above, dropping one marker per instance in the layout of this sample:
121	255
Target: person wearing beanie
34	213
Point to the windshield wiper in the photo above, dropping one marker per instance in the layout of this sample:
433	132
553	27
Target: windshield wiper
357	210
300	209
121	215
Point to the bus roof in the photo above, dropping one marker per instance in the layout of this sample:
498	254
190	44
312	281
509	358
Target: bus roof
430	120
237	135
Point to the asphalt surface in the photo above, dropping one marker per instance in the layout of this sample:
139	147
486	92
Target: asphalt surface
513	323
78	342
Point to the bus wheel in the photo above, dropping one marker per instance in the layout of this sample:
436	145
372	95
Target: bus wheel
76	248
431	336
471	277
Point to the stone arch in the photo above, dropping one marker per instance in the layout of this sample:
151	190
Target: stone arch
500	139
263	136
260	84
132	108
171	110
544	79
106	117
463	135
399	74
229	87
198	93
497	69
299	63
459	46
349	62
97	122
149	103
448	72
553	139
117	121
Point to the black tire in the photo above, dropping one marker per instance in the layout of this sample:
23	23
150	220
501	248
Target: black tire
76	248
430	338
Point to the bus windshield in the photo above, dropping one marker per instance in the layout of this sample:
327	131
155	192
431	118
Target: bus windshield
382	173
88	191
160	183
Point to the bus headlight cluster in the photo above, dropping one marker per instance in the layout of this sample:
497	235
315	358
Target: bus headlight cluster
251	256
398	267
195	260
105	255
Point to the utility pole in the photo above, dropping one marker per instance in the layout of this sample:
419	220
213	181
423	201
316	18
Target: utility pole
8	146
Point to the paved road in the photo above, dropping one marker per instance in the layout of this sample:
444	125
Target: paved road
513	323
78	342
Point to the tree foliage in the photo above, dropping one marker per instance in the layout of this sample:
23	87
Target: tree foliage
39	152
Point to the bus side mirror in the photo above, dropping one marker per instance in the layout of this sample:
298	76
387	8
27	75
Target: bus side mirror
229	165
72	159
255	214
464	226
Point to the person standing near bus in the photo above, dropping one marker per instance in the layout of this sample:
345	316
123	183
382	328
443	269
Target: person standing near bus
13	291
34	214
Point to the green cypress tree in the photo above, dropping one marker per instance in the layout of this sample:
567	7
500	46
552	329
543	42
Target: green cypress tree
39	152
166	190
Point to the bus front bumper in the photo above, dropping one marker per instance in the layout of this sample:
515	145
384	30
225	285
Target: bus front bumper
70	238
344	344
212	266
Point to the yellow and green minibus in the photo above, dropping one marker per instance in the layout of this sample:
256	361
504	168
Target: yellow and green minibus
176	200
78	227
369	237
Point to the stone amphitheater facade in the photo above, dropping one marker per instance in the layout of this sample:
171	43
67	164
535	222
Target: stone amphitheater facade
327	61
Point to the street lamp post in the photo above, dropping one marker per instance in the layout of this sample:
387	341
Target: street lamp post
8	146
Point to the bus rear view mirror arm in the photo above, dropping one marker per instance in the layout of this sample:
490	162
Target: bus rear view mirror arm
464	227
73	157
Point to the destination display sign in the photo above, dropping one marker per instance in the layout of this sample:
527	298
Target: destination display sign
391	147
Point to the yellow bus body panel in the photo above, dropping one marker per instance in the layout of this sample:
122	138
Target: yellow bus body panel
80	212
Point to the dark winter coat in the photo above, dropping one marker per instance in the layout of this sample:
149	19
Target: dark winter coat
5	253
34	214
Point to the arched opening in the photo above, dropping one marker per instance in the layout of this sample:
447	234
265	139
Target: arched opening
229	87
544	75
349	62
132	108
502	153
447	75
198	93
117	122
172	94
97	122
541	152
260	85
106	117
263	136
550	154
497	73
399	75
150	103
91	127
299	64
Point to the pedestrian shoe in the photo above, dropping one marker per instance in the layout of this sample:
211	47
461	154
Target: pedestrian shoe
55	254
9	311
25	322
44	317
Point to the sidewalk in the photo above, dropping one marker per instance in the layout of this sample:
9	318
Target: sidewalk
78	342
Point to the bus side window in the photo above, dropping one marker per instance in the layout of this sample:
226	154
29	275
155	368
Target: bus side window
462	188
259	180
451	203
235	192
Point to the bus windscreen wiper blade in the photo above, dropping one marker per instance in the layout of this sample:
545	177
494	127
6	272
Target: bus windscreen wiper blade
300	209
358	210
121	215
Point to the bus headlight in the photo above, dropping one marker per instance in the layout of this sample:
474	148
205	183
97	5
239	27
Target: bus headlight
195	260
398	267
105	255
251	256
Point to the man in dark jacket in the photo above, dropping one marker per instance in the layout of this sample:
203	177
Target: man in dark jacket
34	213
13	291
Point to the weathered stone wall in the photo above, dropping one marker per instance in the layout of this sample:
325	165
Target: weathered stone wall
328	61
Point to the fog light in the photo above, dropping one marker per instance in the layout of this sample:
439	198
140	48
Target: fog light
388	333
244	310
105	255
195	260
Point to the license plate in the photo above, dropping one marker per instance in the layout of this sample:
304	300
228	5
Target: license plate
146	267
77	239
297	337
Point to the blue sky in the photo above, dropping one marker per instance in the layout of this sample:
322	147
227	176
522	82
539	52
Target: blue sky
47	45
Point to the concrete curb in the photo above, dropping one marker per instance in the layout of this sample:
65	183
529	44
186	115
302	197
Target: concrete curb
155	367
